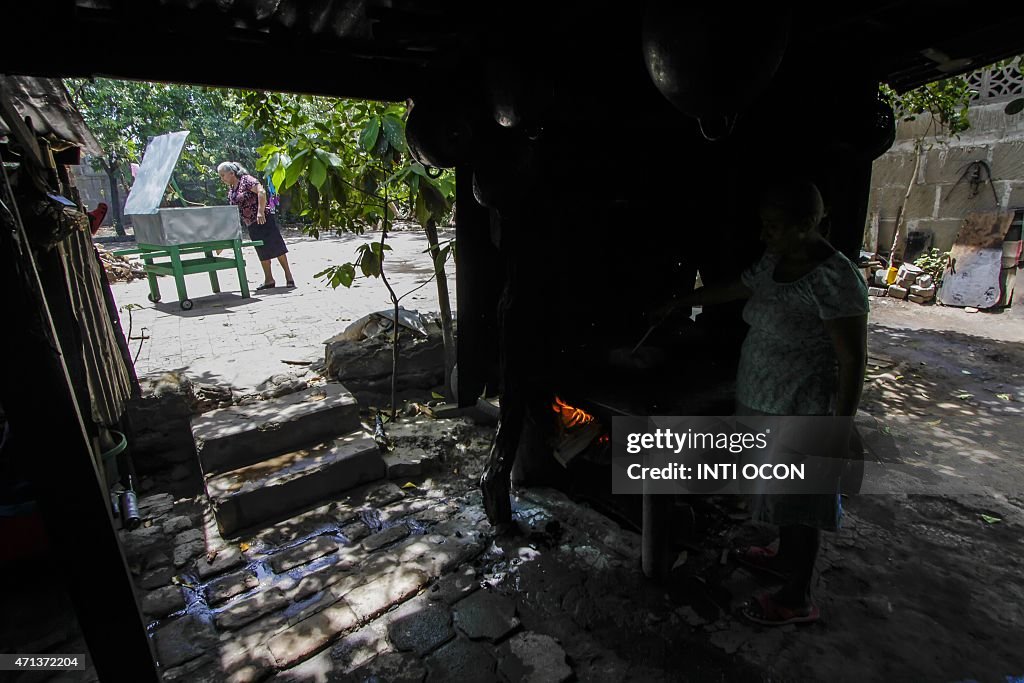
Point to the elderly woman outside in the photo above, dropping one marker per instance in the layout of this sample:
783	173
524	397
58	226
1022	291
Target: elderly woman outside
246	192
804	354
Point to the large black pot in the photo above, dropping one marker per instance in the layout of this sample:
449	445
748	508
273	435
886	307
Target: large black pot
711	61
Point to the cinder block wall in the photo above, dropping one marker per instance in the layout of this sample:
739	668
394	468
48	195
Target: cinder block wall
937	204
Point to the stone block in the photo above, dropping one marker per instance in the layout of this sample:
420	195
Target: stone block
250	609
485	615
163	601
355	532
420	626
926	292
914	298
925	280
533	658
378	595
455	586
230	438
362	362
309	635
225	560
183	554
307	552
229	586
183	639
175	525
189	536
156	578
877	291
408	463
896	292
386	537
270	489
461	660
393	668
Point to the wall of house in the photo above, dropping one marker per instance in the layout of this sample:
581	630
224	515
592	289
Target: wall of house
94	187
938	203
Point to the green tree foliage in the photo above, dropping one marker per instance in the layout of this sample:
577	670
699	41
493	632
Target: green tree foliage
125	115
946	101
344	165
338	161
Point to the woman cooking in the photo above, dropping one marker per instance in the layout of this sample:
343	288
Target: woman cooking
246	192
804	354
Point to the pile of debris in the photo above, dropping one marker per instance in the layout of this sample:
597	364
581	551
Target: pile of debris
119	269
911	283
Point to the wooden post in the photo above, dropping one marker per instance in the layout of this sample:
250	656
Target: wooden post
479	276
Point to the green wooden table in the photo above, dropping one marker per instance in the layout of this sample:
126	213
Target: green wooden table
179	267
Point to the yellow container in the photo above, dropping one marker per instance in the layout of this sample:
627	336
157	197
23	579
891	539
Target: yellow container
890	276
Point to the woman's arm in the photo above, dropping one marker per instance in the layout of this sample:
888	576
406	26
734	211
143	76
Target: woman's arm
261	212
849	339
709	295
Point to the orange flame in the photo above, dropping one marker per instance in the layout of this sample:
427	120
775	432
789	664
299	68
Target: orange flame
571	416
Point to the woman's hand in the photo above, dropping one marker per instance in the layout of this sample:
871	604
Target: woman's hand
261	217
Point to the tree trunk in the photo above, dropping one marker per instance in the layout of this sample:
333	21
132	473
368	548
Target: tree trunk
899	239
115	198
430	228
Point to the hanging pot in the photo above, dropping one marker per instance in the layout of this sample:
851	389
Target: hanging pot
709	61
437	134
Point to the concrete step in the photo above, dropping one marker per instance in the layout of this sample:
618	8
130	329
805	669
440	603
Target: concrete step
267	490
234	437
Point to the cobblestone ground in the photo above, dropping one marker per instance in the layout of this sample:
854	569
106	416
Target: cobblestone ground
406	581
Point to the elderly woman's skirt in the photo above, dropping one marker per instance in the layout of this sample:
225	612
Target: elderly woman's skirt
819	510
273	243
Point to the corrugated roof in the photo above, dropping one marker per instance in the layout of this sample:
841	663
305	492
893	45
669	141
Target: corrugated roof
45	102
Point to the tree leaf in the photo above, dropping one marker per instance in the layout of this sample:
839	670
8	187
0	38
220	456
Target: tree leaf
990	519
368	136
317	172
295	168
437	396
394	129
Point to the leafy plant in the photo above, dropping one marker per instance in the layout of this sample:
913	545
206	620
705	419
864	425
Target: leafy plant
933	263
344	165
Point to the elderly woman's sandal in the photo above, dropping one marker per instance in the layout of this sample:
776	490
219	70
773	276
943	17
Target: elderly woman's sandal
764	610
266	285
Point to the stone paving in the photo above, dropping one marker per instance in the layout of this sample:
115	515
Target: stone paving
228	340
405	580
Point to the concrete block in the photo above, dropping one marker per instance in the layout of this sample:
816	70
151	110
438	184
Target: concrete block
944	165
234	437
1008	160
956	200
896	292
918	299
925	280
892	169
877	291
926	292
257	493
